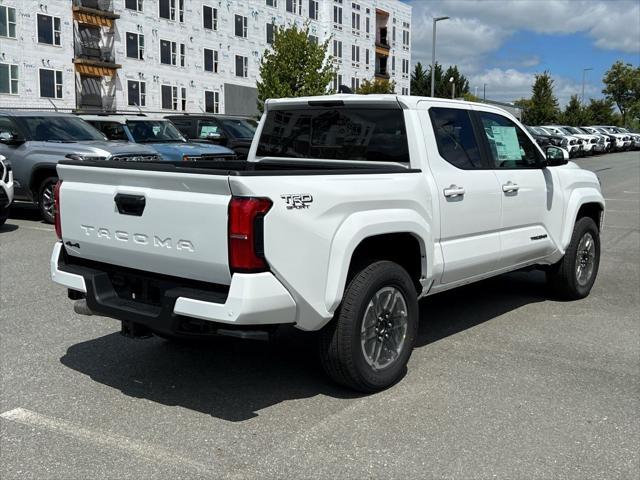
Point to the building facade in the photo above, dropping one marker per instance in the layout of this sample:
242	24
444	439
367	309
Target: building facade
183	55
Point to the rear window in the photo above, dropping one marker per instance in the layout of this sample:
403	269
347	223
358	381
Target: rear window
369	134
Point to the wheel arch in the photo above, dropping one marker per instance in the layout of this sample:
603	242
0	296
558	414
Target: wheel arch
371	236
587	202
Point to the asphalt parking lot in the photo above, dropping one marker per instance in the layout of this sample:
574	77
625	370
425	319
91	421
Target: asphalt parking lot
504	382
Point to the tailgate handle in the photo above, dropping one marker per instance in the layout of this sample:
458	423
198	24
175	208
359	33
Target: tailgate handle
130	204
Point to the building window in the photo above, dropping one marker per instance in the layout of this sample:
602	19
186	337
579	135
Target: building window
405	38
133	5
367	21
272	3
393	34
211	101
294	6
313	9
167	9
169	53
337	82
7	22
355	16
135	45
241	26
210	17
337	15
270	29
355	84
8	78
183	98
210	60
337	48
50	83
393	64
355	53
405	67
241	66
169	97
405	91
137	93
313	39
366	56
48	29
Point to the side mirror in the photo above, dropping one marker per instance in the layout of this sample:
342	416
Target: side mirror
557	156
10	138
217	138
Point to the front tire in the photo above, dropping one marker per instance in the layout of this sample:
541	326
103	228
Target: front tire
573	277
4	214
367	345
45	199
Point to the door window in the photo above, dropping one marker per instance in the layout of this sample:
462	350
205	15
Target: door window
7	129
509	146
455	137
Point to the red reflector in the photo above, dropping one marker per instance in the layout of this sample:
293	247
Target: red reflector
56	209
246	234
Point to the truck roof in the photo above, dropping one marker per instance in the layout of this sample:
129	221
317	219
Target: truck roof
34	113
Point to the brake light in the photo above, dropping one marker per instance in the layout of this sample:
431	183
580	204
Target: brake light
56	209
246	234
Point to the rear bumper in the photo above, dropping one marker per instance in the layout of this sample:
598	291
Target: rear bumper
251	299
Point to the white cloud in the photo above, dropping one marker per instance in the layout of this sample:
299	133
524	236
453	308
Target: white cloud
511	84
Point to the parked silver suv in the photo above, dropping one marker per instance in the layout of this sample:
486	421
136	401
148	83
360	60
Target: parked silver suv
34	142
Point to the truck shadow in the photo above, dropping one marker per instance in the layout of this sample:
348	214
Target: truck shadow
234	379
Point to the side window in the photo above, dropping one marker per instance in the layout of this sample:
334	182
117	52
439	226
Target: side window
113	130
7	129
509	146
455	137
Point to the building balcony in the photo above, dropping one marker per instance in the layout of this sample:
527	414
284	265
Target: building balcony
93	102
93	53
382	74
97	7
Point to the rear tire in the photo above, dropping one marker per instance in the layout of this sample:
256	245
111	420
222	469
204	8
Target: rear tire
574	275
45	199
371	357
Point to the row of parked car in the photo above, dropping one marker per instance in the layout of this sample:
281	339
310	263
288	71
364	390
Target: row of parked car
582	141
32	143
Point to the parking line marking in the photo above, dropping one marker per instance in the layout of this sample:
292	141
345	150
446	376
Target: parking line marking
133	448
621	199
42	229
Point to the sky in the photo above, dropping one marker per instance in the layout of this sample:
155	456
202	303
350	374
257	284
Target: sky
504	43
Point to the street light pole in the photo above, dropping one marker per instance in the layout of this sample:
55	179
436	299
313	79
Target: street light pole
453	88
433	55
484	92
584	72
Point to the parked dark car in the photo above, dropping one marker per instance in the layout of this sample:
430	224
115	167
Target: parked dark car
234	132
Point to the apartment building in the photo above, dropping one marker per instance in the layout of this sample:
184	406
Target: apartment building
183	55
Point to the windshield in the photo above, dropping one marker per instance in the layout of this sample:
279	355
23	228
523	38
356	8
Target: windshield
59	129
147	131
239	127
537	130
573	130
355	133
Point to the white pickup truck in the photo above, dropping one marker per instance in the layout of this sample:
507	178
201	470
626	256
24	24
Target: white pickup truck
349	209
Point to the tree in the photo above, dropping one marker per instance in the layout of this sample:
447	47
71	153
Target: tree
419	85
294	67
600	112
438	91
543	107
378	85
574	113
622	86
524	104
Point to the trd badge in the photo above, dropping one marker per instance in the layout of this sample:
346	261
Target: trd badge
297	200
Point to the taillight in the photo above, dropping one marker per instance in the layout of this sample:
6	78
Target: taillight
246	234
56	209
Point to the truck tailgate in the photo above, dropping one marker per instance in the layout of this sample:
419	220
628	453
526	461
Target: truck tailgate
170	223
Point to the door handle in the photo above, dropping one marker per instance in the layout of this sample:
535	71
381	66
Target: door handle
454	191
130	204
510	187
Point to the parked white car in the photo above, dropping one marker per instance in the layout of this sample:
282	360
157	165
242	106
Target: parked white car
623	141
603	137
573	145
635	137
6	189
349	209
584	147
593	143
